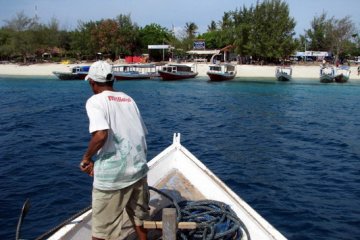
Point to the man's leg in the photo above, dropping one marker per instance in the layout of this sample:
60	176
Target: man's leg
141	232
107	213
95	238
138	207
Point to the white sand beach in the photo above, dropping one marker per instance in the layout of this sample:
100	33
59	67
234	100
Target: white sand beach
246	71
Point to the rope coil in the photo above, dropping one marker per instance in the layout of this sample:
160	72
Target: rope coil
215	220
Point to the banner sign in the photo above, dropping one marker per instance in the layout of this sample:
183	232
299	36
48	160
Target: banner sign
199	44
158	46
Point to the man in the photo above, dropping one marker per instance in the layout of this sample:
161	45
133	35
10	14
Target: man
118	141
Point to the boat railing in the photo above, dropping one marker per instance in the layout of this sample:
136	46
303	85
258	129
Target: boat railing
215	68
230	68
135	68
343	70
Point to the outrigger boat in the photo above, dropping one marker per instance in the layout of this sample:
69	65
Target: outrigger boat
327	74
221	72
77	73
177	72
178	175
342	74
135	71
283	73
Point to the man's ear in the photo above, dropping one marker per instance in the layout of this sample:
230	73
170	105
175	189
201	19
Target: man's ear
109	76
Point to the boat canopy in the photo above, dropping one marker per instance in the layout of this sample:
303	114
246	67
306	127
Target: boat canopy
178	68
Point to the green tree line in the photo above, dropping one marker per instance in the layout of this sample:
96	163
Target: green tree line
264	31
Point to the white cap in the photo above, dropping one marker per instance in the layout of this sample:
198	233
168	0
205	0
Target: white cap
100	71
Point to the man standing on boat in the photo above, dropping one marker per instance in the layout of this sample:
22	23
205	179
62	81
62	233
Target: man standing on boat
120	170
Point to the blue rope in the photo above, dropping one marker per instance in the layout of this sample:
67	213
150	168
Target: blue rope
215	220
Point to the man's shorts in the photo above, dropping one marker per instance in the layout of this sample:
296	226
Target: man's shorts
108	207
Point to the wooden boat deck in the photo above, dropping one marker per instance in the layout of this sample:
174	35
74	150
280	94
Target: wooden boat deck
178	187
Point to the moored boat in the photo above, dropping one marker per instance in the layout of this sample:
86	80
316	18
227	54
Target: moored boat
77	73
178	173
135	71
342	74
327	74
221	72
177	71
283	73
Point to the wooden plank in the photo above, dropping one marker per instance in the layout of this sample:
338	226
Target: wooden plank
159	225
169	224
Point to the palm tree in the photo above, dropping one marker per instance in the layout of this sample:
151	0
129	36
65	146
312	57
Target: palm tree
190	29
212	26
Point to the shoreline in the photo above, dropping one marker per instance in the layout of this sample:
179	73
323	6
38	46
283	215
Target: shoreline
245	71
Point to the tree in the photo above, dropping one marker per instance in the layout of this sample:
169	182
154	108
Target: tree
273	30
113	37
189	36
342	31
190	29
227	28
128	42
154	34
5	43
330	34
23	35
319	33
243	29
21	22
106	36
212	39
82	43
212	27
355	48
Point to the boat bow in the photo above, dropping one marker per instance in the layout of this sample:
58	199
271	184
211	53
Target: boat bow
182	176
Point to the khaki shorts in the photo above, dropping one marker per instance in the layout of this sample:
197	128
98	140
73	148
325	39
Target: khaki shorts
108	208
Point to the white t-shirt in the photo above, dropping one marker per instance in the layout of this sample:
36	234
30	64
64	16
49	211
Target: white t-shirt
122	160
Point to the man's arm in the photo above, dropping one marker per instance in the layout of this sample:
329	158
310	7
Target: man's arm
97	141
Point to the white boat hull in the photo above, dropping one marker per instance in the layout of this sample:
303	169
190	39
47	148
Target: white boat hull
180	174
283	73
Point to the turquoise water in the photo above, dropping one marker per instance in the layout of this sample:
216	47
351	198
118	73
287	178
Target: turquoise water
290	150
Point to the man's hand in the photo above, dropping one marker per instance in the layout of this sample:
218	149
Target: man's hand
87	166
98	139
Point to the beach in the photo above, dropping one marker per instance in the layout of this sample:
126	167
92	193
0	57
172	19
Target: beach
246	71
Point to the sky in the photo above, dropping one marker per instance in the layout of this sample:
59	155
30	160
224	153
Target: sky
168	13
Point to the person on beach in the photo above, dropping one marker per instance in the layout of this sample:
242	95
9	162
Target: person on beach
120	170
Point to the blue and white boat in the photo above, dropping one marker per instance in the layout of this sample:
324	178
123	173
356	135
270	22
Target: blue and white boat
327	74
221	72
76	73
135	71
342	74
283	73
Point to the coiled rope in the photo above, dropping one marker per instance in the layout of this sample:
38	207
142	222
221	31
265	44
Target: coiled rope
215	220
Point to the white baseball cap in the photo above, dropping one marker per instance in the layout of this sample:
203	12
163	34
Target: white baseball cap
100	71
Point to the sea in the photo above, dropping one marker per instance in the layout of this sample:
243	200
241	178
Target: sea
291	150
